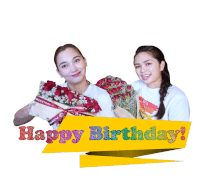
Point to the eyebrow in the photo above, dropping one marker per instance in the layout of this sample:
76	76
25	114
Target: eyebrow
144	62
66	62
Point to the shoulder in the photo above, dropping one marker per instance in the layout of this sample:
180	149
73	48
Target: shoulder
176	96
174	91
137	84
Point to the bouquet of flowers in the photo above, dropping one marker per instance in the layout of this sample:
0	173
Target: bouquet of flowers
54	102
122	95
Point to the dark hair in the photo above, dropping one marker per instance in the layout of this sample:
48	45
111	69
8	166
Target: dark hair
62	48
157	54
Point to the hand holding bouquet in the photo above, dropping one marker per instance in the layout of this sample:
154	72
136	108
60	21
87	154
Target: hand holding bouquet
122	94
54	102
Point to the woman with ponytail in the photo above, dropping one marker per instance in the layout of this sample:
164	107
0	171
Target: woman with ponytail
158	98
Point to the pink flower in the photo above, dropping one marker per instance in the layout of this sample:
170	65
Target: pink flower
117	83
123	95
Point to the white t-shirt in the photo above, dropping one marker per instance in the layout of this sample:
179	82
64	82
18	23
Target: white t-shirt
101	96
175	102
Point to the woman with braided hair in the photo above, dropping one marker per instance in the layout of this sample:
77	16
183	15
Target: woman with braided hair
158	98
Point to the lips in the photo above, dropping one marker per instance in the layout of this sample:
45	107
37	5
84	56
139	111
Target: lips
76	75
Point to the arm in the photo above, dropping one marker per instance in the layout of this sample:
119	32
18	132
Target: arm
22	116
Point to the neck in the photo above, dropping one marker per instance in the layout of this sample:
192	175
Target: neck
156	84
80	87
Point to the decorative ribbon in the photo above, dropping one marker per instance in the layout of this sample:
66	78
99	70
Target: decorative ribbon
75	110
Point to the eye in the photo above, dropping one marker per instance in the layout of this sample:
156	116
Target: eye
148	64
137	67
77	60
63	66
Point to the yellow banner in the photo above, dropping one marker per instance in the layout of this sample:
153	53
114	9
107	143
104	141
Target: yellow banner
116	137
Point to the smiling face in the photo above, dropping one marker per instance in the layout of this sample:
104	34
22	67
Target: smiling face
149	69
72	66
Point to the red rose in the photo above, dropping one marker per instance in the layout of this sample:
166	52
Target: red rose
114	90
77	97
116	78
128	94
65	90
109	80
110	92
123	82
104	87
95	106
108	84
117	97
49	85
118	88
46	88
113	100
70	96
98	84
123	95
129	87
117	83
88	104
58	92
102	80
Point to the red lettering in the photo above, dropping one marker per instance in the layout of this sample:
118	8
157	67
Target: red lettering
23	132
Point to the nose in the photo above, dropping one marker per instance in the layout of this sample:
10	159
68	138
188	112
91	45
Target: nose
73	68
142	69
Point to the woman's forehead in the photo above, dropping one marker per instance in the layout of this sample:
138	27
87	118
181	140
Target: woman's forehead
67	55
143	57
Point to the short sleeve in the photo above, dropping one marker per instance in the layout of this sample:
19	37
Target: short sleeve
136	85
179	108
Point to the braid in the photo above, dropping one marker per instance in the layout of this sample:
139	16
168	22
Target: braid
163	92
157	54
